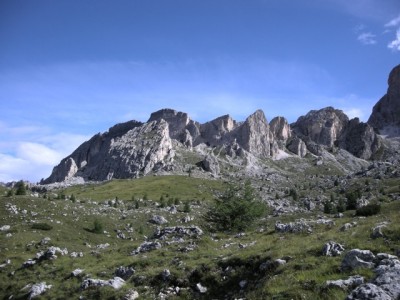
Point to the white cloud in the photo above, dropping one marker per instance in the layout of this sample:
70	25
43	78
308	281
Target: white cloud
395	44
367	38
31	152
354	113
393	22
38	154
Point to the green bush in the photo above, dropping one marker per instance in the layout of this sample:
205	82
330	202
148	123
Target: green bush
369	210
97	226
236	210
21	189
42	226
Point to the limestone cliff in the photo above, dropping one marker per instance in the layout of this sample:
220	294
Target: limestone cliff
385	117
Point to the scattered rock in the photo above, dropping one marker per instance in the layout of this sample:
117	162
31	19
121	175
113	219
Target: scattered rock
296	227
332	249
131	295
115	283
124	272
146	247
76	254
347	226
193	231
38	289
103	246
377	230
159	220
357	258
45	241
243	284
165	274
76	272
201	289
5	228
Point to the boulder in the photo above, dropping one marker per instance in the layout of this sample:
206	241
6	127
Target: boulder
159	220
210	164
368	291
124	272
377	230
351	282
146	247
115	283
332	249
293	227
38	289
131	295
357	258
201	289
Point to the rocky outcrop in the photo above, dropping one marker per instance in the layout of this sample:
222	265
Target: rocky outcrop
297	146
280	129
330	128
133	149
385	117
359	139
322	126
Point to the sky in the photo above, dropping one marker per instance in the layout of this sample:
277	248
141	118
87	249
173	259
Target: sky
72	68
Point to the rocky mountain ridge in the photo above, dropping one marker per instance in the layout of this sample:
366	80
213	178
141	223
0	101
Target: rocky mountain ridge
134	149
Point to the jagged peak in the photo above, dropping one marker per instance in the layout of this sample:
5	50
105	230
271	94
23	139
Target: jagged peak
167	114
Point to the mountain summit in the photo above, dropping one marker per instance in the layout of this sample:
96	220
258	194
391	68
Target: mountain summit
171	142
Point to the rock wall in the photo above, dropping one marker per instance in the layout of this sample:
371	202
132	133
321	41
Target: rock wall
385	117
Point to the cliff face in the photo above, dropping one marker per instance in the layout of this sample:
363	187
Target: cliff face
385	115
134	149
332	128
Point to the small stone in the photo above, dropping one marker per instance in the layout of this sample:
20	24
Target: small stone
201	289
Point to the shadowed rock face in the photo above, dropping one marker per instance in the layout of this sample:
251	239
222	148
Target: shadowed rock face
322	126
385	115
331	127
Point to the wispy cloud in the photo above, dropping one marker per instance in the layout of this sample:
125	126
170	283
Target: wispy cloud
395	44
367	38
394	22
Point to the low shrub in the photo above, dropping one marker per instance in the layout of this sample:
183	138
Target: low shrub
368	210
42	226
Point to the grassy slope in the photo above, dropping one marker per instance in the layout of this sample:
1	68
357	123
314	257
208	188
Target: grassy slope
302	277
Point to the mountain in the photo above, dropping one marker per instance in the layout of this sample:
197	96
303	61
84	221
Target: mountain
385	117
171	142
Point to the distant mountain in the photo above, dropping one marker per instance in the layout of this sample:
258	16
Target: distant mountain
171	142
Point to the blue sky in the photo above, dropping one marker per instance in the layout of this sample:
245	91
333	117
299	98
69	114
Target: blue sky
70	69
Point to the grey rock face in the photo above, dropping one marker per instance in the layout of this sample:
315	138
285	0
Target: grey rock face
323	126
280	130
254	135
360	139
331	127
297	146
210	164
385	115
132	149
357	258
